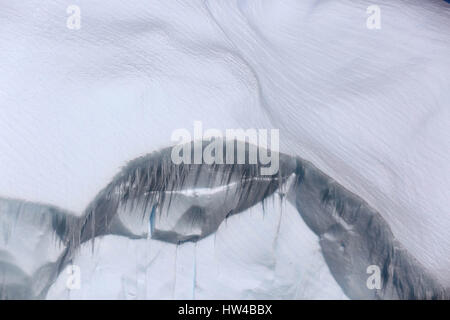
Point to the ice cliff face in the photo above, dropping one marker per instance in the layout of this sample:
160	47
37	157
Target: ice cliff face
223	231
31	247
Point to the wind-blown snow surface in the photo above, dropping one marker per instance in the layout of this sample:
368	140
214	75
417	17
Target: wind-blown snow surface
368	107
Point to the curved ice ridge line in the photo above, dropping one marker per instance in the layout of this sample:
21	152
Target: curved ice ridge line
352	235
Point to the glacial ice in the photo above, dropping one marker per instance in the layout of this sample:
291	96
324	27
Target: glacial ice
298	234
368	108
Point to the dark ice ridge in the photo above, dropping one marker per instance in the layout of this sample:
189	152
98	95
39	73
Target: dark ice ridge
352	235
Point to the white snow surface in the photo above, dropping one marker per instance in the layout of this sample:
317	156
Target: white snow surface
371	108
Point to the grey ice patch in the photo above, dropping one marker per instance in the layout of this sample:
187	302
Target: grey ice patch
353	235
154	191
31	247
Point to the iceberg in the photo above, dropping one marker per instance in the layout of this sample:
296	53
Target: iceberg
363	116
286	235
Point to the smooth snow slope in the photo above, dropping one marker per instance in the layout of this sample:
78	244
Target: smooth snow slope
370	108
